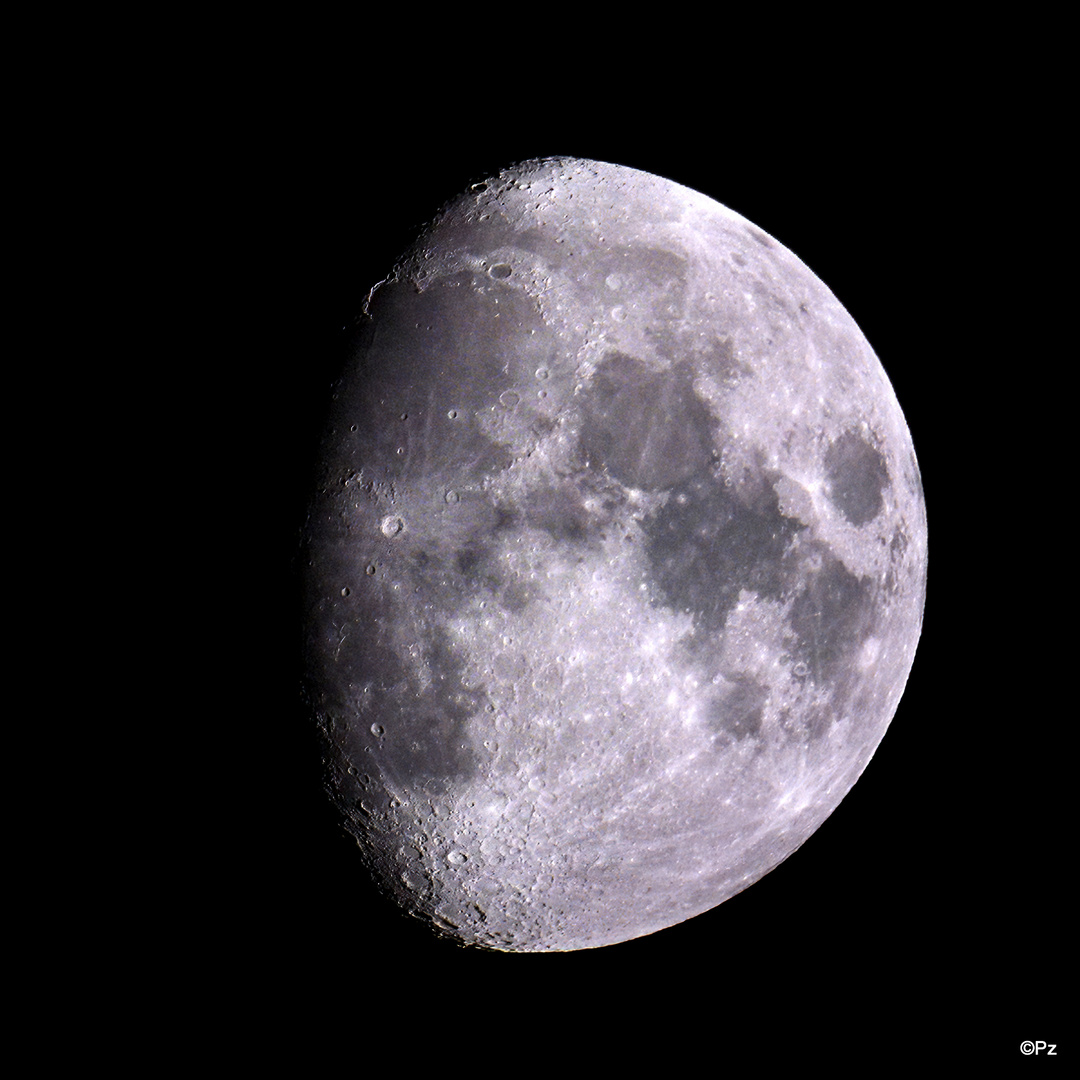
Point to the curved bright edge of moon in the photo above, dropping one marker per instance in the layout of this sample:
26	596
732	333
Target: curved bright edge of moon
617	560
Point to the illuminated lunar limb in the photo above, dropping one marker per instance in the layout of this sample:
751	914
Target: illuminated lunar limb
617	561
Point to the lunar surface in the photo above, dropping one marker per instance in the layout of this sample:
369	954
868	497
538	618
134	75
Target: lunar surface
616	565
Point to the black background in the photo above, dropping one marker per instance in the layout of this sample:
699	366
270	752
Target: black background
927	916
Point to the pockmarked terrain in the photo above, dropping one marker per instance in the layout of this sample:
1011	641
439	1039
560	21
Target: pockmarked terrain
616	565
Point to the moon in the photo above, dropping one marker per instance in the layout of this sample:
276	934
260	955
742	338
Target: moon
616	562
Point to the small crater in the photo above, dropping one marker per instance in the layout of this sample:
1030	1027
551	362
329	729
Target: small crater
391	525
378	730
500	271
456	858
452	496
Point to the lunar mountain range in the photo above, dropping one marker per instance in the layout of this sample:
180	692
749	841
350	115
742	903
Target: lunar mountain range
616	565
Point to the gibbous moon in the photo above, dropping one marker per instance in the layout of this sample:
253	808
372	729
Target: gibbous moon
616	565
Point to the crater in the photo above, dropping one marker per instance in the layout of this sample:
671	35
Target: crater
654	277
412	730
